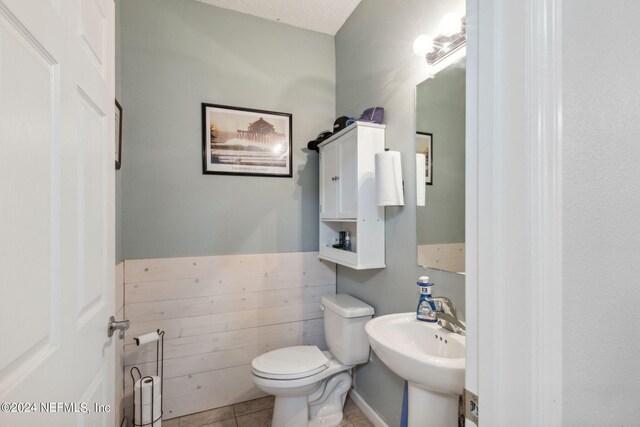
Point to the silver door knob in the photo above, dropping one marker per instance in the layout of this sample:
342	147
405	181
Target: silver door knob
121	325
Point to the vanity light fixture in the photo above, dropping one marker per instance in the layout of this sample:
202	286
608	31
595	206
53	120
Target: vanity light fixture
452	38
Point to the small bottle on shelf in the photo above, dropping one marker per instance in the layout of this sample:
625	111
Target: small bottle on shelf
347	242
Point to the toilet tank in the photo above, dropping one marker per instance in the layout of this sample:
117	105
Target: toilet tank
344	320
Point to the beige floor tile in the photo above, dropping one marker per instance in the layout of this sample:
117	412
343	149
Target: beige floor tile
174	422
356	415
363	423
254	405
256	419
207	417
349	404
345	423
225	423
352	412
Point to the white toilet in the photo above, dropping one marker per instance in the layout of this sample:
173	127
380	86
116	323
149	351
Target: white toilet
310	385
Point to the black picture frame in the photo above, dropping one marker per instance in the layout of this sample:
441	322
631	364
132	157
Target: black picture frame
424	145
246	141
118	144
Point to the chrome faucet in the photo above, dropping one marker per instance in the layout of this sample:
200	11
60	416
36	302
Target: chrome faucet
447	315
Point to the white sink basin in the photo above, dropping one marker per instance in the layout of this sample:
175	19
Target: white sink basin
420	352
429	357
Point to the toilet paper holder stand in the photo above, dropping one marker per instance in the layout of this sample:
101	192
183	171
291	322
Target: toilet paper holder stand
136	376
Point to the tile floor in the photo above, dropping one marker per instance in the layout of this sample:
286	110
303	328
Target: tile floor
256	413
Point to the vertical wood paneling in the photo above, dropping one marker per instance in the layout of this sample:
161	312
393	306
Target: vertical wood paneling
119	286
218	313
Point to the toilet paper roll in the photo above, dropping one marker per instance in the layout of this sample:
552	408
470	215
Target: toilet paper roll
146	391
421	179
145	384
146	414
147	338
389	190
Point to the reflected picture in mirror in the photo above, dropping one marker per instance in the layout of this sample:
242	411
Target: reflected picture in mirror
440	214
424	146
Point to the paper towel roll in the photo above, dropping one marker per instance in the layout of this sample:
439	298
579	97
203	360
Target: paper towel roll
151	391
147	338
421	179
389	179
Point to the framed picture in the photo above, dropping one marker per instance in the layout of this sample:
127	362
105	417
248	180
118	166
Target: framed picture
118	135
424	145
243	141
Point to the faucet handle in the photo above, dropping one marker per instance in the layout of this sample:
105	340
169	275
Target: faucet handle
451	323
444	305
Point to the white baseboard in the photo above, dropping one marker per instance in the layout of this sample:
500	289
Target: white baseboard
368	410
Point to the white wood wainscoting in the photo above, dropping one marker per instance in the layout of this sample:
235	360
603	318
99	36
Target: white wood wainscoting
218	313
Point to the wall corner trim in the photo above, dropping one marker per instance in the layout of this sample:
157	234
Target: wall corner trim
544	87
516	272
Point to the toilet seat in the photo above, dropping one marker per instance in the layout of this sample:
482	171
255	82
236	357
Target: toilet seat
290	363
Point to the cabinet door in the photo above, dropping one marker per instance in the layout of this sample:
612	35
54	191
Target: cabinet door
348	176
329	167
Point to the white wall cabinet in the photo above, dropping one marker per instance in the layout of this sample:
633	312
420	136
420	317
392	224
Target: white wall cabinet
338	174
348	196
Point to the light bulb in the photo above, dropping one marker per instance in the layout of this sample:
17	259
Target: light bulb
422	45
450	24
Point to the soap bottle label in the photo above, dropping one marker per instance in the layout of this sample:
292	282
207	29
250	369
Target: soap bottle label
426	310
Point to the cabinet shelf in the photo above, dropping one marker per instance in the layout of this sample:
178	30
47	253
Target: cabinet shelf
348	199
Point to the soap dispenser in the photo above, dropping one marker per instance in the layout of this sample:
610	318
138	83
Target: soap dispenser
426	310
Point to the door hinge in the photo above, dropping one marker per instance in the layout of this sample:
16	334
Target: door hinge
471	406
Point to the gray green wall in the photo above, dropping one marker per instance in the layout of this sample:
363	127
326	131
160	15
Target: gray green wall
178	54
440	110
375	66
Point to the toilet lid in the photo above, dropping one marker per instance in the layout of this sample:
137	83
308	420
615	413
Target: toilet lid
290	362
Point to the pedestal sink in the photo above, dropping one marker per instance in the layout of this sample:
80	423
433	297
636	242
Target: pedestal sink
430	358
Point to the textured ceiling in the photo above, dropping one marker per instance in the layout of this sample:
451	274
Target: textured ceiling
324	16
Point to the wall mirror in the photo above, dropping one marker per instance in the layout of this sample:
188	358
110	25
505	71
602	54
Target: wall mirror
440	169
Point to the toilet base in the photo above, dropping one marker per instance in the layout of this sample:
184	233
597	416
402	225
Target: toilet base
290	412
294	412
322	408
332	420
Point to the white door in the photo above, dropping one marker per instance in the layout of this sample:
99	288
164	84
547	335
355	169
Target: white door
56	212
339	178
329	170
348	176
